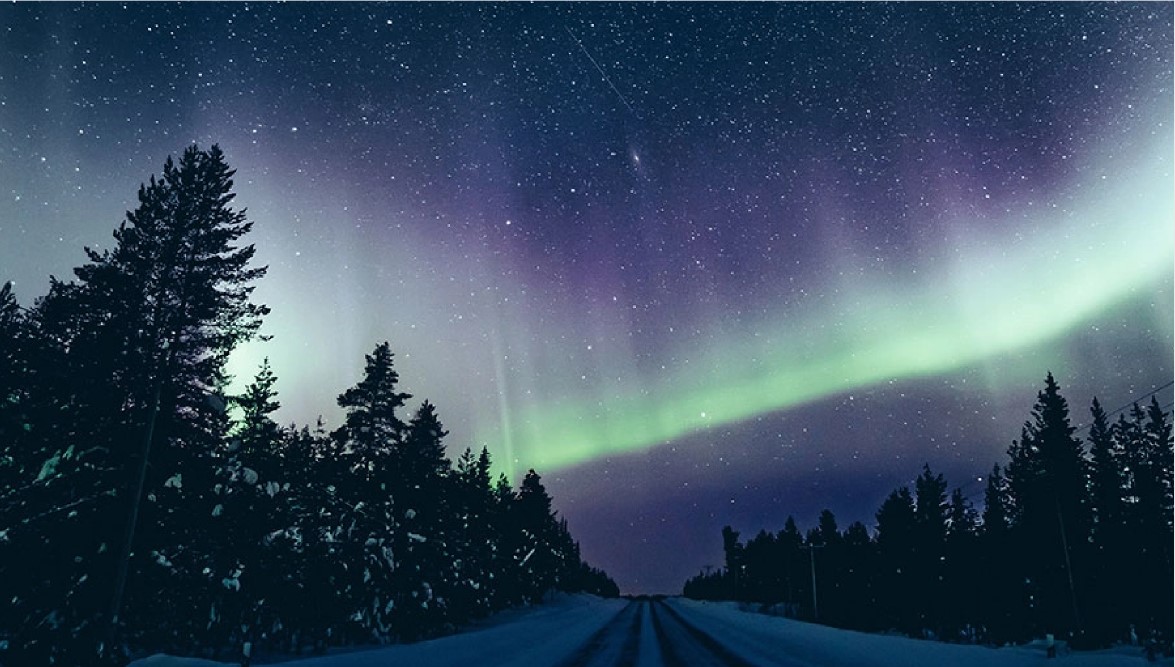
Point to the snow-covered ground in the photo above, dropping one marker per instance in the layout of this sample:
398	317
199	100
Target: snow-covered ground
770	640
541	635
586	631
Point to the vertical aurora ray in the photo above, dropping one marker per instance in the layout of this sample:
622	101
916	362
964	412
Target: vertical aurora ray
500	379
999	297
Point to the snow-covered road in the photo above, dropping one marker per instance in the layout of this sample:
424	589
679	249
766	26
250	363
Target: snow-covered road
650	633
583	631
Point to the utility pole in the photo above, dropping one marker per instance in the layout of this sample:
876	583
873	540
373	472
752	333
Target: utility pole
1068	567
812	553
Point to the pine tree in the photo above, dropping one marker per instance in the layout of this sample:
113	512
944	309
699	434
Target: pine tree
596	582
15	371
826	526
962	520
1000	601
859	602
423	451
897	532
1146	442
1158	433
796	583
1106	479
829	568
759	557
995	503
257	430
26	478
475	537
930	520
1047	479
567	557
131	353
249	519
961	563
371	422
1159	439
735	566
365	523
1109	532
428	525
312	603
541	556
509	589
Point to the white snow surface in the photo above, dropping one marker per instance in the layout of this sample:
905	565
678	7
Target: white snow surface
528	637
553	633
771	640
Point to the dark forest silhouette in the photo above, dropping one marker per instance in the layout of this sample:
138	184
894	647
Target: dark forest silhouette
138	513
1070	542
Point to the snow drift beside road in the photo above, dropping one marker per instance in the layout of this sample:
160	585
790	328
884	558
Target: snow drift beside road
768	640
531	637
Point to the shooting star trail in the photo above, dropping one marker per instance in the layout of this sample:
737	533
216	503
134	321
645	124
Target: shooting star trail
601	71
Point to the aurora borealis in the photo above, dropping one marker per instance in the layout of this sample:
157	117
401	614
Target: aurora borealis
697	264
927	333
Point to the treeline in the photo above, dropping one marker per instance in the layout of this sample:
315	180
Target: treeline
1071	540
141	512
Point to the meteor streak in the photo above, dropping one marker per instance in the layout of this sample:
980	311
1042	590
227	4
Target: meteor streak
601	71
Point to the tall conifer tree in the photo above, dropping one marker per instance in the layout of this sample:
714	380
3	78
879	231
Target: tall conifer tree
137	346
897	534
366	525
1109	534
1047	478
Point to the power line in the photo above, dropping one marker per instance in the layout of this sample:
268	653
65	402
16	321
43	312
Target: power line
1085	427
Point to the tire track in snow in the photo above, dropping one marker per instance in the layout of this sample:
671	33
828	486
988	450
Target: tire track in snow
683	644
628	652
613	638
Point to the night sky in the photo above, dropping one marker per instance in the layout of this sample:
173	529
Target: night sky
698	264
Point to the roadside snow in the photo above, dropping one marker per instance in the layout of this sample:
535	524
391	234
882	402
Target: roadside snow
768	640
543	635
161	660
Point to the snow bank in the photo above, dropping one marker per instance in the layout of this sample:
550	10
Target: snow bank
770	640
161	660
530	637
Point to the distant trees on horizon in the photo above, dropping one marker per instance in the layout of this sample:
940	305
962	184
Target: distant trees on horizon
137	513
1071	542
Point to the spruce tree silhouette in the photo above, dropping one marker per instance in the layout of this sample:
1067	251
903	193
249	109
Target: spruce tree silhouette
248	520
1146	440
896	542
366	529
536	555
131	352
930	520
1109	533
1047	481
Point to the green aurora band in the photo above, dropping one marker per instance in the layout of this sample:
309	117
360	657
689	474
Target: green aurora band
1001	296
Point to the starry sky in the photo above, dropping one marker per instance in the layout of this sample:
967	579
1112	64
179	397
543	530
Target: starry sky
699	264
